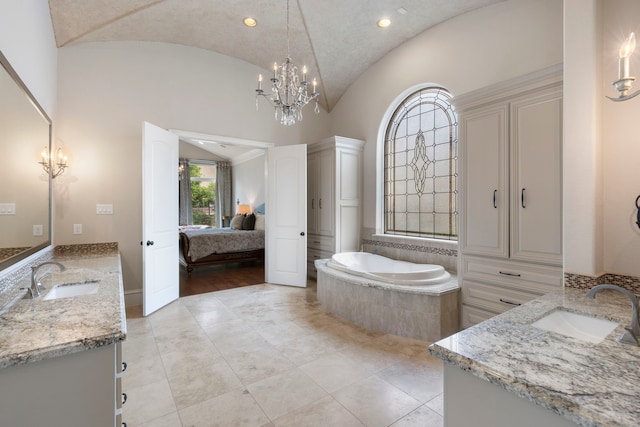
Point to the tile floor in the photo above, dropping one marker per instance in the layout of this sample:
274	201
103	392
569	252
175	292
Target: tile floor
268	355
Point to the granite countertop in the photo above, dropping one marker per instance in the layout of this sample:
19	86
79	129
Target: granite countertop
589	384
35	329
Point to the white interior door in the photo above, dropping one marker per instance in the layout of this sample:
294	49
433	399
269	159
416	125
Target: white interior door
160	275
286	251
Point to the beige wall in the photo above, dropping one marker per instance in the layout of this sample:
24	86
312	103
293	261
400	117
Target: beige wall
620	143
468	52
106	91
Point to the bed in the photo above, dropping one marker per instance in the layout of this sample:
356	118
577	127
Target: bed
219	245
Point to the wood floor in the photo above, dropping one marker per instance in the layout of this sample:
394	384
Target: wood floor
219	277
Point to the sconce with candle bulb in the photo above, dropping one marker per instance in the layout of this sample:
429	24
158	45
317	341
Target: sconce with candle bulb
53	166
624	82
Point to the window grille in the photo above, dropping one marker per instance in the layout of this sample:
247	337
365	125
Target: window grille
420	167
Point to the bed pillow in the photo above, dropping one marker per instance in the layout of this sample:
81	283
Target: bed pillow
259	222
249	222
236	222
259	209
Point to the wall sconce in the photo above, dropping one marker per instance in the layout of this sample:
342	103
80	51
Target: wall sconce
623	84
243	210
180	172
51	166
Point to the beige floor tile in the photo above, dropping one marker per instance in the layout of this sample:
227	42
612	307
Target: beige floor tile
279	333
421	417
147	403
437	404
210	345
236	408
257	364
203	383
335	372
376	402
420	379
306	349
169	420
143	370
286	392
324	412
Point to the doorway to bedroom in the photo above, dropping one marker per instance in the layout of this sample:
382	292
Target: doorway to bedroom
207	206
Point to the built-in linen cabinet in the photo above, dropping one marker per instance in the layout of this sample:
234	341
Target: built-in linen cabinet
334	198
511	195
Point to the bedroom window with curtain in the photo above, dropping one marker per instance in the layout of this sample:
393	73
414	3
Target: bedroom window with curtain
203	192
420	167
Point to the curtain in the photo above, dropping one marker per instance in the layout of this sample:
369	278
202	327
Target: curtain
184	193
224	203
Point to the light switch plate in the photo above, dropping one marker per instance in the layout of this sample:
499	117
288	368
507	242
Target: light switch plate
38	230
104	209
7	208
77	228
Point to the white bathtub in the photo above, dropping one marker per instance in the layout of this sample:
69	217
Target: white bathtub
387	270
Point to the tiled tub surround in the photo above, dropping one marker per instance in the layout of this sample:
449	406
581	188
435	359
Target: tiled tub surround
420	312
35	329
587	384
418	250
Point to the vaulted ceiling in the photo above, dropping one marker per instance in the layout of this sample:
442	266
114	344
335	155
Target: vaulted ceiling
336	39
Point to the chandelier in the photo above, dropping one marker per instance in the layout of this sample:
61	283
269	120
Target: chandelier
289	92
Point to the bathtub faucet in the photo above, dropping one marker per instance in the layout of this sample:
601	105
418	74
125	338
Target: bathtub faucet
632	335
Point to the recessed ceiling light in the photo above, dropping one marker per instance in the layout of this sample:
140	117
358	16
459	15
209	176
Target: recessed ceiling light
384	22
250	22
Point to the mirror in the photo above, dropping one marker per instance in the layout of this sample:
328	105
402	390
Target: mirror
25	131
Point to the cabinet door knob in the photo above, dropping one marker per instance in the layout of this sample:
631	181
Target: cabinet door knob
149	242
302	234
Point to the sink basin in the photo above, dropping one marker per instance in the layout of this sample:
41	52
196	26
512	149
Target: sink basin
72	290
580	326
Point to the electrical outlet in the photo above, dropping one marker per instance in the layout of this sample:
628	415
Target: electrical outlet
104	209
38	230
77	228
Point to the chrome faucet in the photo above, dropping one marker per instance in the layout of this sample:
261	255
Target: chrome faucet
632	335
36	287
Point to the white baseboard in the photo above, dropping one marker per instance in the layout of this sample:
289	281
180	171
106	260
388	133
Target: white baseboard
133	298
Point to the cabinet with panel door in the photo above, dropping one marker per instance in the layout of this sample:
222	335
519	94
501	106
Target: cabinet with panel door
334	198
511	195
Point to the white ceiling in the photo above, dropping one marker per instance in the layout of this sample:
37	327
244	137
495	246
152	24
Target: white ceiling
336	39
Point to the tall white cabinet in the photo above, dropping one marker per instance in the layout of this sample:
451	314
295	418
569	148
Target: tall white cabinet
511	195
334	198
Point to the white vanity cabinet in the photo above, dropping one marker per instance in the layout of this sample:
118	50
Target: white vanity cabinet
334	198
78	389
511	195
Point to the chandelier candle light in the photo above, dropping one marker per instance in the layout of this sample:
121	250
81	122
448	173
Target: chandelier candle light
289	93
624	82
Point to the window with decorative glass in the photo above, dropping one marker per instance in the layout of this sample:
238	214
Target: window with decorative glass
420	167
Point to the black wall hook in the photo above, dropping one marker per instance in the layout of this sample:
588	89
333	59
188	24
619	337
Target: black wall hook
638	211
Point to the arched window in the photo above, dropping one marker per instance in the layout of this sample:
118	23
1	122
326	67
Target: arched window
420	167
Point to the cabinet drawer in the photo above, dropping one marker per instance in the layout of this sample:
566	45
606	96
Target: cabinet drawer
472	316
493	297
527	277
325	243
312	256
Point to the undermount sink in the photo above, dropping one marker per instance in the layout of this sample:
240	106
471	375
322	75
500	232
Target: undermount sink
580	326
72	290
